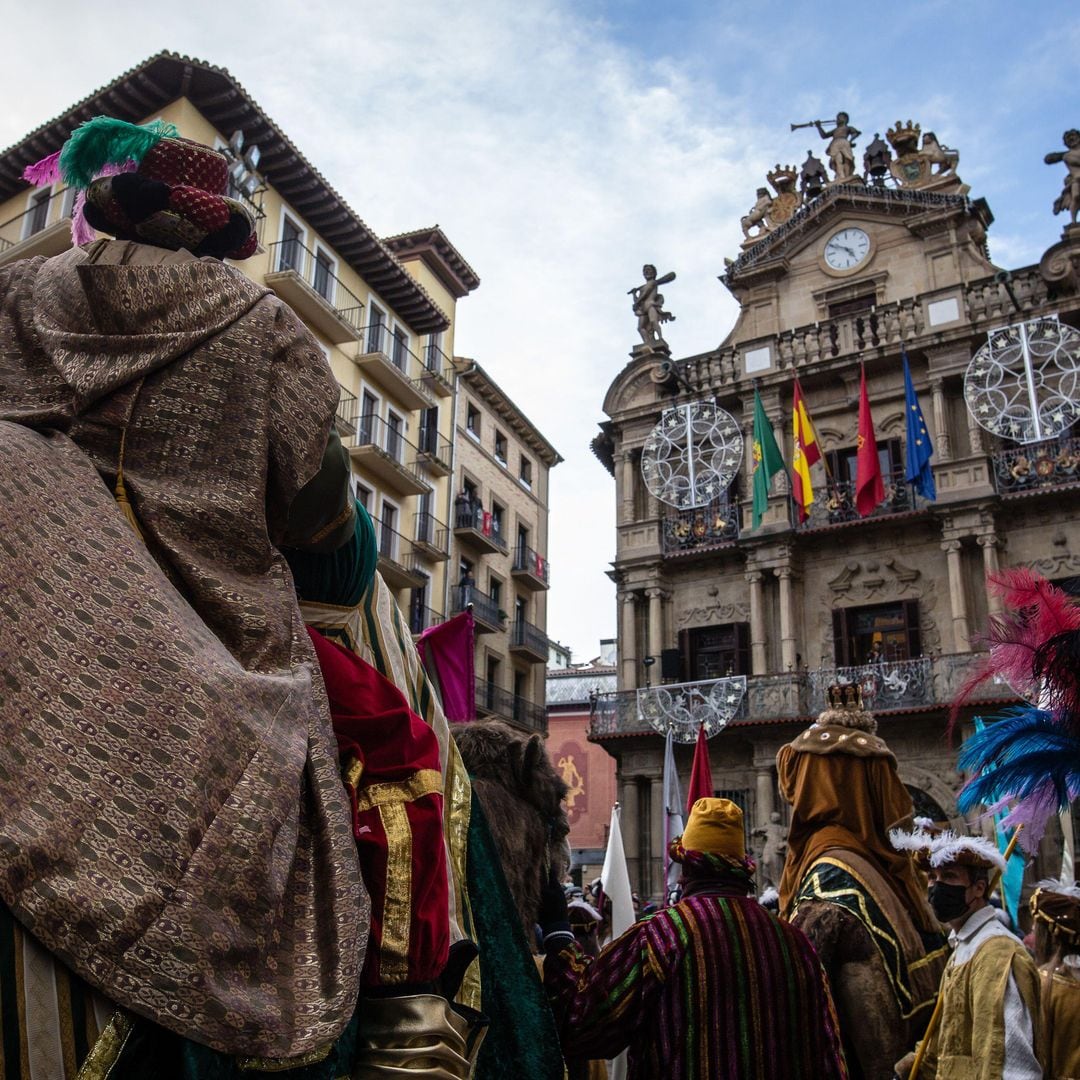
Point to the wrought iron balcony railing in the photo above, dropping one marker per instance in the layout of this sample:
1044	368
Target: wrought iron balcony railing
704	529
372	430
423	618
1050	464
492	700
470	515
461	596
317	273
394	546
528	561
435	446
526	635
834	503
346	413
377	338
431	532
888	684
41	213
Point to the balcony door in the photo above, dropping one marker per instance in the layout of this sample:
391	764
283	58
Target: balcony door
292	247
888	632
369	405
714	652
376	329
388	539
324	275
394	442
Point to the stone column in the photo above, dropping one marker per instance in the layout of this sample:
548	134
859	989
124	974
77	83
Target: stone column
764	803
628	657
657	814
626	465
975	434
629	826
757	623
787	620
942	442
656	624
957	595
989	543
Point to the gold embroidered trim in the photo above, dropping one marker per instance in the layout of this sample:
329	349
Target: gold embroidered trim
421	783
105	1053
330	526
354	769
397	907
312	1057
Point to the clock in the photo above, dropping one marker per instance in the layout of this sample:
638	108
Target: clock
846	249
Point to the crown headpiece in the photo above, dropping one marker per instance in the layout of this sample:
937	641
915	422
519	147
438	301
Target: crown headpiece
904	137
782	177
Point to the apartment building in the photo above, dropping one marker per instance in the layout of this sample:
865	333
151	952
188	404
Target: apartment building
499	546
383	312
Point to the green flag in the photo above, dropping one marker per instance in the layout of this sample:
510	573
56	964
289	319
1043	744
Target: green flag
767	460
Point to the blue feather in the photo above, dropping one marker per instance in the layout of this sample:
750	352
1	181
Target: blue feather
1026	754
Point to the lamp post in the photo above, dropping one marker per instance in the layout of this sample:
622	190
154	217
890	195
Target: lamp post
876	160
647	664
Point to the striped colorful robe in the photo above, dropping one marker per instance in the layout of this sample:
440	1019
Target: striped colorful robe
715	987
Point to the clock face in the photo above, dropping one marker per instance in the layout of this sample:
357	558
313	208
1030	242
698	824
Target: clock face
847	248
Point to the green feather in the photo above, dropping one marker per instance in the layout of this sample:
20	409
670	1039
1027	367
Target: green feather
104	141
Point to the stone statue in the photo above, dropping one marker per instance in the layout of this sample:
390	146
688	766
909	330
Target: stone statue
774	850
812	176
944	157
840	150
1069	199
757	213
648	306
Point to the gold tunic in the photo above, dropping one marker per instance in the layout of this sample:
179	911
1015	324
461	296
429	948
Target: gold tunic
1063	1037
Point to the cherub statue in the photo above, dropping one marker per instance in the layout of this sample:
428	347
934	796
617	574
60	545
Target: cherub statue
757	214
1069	199
840	150
648	306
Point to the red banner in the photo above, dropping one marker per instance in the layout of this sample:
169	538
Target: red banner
869	489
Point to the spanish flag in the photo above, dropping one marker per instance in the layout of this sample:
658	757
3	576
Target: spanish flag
807	452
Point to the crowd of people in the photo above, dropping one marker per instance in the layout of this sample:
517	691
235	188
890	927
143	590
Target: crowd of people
239	835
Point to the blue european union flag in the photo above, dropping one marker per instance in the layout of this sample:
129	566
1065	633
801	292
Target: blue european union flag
919	447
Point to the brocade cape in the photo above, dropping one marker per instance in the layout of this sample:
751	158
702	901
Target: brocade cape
172	822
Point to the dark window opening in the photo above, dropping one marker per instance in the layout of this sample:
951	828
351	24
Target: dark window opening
880	632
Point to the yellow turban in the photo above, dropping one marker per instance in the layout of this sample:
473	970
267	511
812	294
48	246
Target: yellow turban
715	827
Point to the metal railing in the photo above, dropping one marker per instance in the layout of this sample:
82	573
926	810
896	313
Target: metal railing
318	275
429	530
499	702
835	502
423	618
372	430
346	411
394	546
377	338
437	363
435	446
470	515
461	596
532	562
888	684
703	529
36	218
1049	464
527	636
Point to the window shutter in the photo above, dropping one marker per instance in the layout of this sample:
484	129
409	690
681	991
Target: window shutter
840	641
742	648
684	656
914	637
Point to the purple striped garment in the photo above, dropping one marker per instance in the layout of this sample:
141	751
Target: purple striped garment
713	988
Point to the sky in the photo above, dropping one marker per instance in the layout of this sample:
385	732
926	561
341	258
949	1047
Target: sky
562	145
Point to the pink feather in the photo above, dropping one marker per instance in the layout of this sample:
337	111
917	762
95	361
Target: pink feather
43	172
1035	611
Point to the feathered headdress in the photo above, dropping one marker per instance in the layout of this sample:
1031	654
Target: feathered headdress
102	146
1031	755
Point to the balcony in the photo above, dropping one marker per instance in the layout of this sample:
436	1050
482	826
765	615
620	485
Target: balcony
435	453
892	687
1044	466
475	526
345	417
306	282
530	568
492	700
389	360
886	686
431	537
529	642
834	504
487	615
381	449
43	229
685	532
423	618
397	560
438	373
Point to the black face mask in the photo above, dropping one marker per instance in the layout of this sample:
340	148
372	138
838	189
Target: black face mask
948	901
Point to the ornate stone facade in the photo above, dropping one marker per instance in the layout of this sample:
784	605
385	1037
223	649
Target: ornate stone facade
895	601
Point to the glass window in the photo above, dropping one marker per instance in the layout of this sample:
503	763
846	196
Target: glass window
525	471
39	211
324	275
368	406
388	540
472	420
376	330
500	447
394	441
401	349
714	652
291	249
878	632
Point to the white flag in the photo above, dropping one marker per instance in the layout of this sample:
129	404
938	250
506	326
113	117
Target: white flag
615	880
673	822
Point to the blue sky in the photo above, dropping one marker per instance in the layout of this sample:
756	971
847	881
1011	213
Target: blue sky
561	145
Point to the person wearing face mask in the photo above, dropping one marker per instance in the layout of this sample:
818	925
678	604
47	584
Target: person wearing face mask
989	1023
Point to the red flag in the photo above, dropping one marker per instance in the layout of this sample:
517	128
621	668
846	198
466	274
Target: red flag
869	489
700	775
